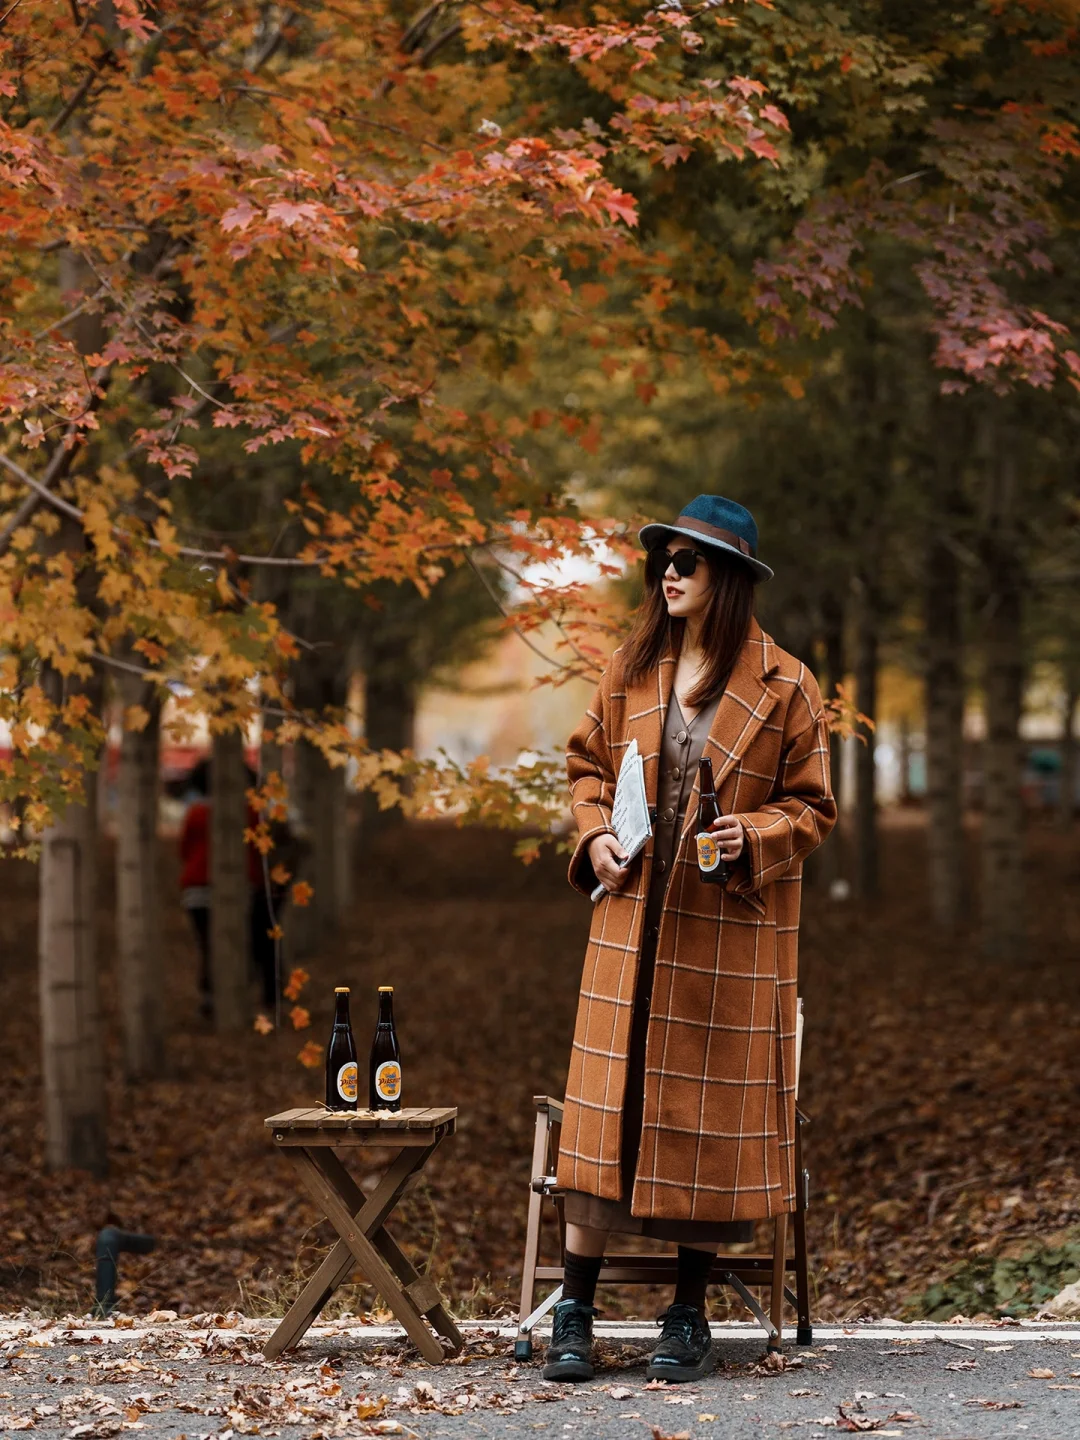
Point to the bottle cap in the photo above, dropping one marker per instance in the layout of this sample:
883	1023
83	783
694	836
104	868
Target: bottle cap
386	989
341	989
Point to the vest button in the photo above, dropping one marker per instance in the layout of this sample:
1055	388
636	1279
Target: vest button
676	774
681	738
660	867
668	815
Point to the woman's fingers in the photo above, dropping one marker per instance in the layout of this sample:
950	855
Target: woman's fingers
729	832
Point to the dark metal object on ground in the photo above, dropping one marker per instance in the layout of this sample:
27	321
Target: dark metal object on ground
110	1243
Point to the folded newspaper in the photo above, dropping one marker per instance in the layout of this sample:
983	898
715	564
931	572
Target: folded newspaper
630	811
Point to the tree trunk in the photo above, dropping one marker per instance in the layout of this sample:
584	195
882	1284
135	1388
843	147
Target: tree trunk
230	897
138	916
867	881
1003	926
72	1051
389	724
1069	749
320	799
944	733
826	865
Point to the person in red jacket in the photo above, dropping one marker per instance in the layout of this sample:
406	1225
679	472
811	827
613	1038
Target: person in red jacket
266	897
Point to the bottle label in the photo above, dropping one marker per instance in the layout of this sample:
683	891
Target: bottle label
388	1080
347	1083
708	851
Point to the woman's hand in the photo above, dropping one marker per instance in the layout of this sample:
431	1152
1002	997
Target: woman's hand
731	835
605	852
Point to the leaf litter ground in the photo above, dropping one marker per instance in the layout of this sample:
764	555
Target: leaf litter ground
941	1089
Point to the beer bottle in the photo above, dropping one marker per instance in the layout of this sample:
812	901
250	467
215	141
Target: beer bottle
384	1071
712	870
342	1075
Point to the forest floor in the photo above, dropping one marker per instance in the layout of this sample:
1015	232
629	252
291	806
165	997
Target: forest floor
941	1088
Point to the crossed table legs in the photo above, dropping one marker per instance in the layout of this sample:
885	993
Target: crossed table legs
309	1138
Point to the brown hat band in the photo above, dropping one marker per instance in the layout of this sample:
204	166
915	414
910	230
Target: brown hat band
687	522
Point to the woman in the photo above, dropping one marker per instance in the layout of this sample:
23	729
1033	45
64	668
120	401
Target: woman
680	1106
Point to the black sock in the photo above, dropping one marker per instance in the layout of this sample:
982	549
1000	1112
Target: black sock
693	1276
580	1274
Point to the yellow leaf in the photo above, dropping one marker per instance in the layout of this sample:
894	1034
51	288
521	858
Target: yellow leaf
311	1055
302	893
300	1017
136	717
263	1025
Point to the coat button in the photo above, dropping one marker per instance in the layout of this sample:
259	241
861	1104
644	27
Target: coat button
654	932
660	867
676	774
668	815
681	737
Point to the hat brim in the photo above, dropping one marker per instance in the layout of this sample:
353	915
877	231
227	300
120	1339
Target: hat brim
657	534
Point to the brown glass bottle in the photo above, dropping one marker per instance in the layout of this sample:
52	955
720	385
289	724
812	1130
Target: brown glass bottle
712	870
342	1072
384	1070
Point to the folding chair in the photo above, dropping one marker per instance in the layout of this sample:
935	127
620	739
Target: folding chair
739	1271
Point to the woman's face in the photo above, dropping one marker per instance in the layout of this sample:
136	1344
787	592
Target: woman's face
687	596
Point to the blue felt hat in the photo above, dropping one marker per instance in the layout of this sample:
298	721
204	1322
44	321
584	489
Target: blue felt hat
712	520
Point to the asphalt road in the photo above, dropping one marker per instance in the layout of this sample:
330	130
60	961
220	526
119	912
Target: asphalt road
186	1380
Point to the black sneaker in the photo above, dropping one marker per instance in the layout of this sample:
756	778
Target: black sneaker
569	1355
684	1351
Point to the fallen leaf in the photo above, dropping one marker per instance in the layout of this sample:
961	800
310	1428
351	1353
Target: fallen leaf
985	1404
620	1392
1041	1374
962	1365
859	1424
997	1349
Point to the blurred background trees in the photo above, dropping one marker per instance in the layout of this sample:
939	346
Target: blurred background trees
342	346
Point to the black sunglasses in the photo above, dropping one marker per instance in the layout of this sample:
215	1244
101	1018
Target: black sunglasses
684	561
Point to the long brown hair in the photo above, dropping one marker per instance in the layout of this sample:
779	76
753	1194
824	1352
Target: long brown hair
725	626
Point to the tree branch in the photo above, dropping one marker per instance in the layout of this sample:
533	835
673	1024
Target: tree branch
270	48
80	94
9	11
189	552
438	41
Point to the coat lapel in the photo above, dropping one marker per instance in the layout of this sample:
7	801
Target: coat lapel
745	705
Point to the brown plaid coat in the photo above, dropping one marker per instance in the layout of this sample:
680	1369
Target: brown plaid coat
718	1131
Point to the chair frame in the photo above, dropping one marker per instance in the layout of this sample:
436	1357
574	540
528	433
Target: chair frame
769	1271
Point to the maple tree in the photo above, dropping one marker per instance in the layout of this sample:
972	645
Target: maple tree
291	238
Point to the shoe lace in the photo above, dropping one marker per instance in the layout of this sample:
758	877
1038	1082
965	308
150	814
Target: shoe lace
574	1321
679	1322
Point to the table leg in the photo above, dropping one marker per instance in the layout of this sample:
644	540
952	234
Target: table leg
432	1304
375	1268
423	1292
338	1264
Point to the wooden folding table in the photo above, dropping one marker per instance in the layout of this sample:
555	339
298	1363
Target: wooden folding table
309	1138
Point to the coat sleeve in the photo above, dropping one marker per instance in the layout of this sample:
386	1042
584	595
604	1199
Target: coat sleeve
801	811
591	775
